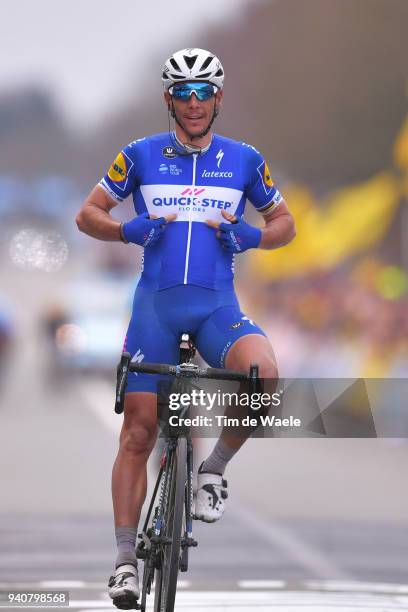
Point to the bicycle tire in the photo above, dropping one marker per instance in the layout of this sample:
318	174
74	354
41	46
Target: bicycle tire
167	576
148	575
158	576
145	585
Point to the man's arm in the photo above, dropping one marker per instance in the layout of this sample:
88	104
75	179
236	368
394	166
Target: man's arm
94	216
279	228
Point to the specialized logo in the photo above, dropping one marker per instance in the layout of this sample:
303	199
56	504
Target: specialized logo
219	157
236	325
118	171
250	321
137	358
169	152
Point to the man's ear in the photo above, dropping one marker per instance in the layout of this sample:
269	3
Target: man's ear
218	99
170	107
167	99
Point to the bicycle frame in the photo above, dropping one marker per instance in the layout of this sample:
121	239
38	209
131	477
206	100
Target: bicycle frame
152	537
175	478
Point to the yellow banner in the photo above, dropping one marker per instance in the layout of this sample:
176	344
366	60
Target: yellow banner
352	220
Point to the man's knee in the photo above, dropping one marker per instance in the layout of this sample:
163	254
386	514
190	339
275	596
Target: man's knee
137	439
253	349
139	430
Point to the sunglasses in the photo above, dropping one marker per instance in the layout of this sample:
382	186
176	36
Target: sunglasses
183	91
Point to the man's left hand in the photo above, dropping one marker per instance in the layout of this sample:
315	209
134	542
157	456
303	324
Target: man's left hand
236	236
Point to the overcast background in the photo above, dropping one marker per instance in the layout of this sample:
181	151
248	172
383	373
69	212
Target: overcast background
94	56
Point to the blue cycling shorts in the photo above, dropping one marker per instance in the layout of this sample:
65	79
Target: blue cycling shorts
212	318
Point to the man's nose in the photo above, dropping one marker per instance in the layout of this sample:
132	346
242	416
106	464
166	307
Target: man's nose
193	100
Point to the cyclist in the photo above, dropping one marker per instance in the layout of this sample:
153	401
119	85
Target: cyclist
189	188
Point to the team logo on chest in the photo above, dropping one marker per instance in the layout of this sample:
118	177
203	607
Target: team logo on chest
169	152
190	202
219	157
217	173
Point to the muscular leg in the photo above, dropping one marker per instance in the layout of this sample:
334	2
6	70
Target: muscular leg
249	349
252	348
129	478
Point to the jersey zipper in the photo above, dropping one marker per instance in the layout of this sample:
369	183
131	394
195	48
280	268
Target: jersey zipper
190	223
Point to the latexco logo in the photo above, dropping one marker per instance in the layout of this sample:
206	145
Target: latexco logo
216	174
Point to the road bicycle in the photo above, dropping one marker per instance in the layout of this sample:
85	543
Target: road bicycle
167	533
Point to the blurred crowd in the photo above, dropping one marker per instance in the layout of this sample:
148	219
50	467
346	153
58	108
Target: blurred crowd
350	322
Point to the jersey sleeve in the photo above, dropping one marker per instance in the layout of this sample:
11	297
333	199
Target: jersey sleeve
260	188
124	172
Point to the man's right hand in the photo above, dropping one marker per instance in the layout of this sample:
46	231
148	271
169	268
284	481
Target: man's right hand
145	229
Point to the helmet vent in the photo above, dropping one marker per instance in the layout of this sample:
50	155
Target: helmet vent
205	75
190	61
219	73
206	62
177	77
175	64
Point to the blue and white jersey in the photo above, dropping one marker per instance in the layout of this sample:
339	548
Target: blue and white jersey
196	188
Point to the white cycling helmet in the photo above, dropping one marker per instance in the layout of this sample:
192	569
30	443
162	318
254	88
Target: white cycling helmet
193	65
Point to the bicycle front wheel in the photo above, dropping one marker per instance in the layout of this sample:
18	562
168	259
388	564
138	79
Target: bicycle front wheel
166	577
